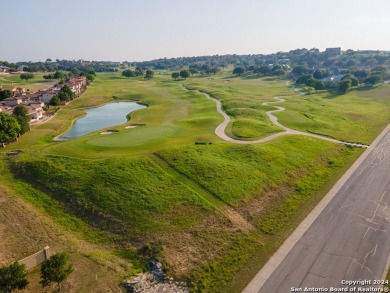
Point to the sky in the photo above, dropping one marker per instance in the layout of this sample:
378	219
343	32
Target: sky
136	30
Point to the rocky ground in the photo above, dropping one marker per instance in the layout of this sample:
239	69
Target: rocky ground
155	281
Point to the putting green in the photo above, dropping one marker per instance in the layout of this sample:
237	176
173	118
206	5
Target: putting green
135	137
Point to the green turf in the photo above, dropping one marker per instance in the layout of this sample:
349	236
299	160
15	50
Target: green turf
129	197
171	181
357	116
35	84
242	99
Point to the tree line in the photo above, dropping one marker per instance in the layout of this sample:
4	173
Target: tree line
74	66
138	72
12	126
353	77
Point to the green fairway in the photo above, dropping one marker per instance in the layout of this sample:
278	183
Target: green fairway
216	211
358	116
242	100
34	84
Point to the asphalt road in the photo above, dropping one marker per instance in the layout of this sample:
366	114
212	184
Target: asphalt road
350	239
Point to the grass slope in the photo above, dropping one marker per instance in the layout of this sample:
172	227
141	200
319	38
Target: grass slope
216	211
140	201
357	116
242	100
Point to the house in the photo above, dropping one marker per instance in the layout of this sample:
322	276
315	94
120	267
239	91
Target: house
19	91
76	83
46	96
333	51
334	78
11	89
6	109
284	61
78	79
12	101
33	97
4	69
21	68
35	110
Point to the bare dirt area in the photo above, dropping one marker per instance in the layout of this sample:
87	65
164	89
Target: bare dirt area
258	205
198	246
24	231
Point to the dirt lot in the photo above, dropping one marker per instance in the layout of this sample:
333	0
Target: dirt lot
24	230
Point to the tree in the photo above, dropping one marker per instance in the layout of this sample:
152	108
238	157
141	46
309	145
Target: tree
301	69
66	94
277	72
64	97
149	74
263	69
378	69
58	75
20	110
9	128
66	89
193	71
90	77
175	75
13	277
5	94
306	79
26	76
239	70
374	79
317	74
20	113
214	70
205	68
138	72
55	101
128	73
319	85
354	81
360	74
344	85
24	123
55	269
48	76
185	73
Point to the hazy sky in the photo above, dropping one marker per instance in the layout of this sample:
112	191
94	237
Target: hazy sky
136	30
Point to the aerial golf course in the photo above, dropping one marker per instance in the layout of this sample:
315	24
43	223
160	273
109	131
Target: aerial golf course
168	187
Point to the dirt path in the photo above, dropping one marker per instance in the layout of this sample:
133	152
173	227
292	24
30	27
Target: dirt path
220	130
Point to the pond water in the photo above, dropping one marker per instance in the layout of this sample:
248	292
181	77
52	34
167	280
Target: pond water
101	117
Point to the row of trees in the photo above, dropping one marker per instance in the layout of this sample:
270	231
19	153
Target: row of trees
54	270
344	85
138	72
74	66
12	126
63	76
185	73
26	76
265	70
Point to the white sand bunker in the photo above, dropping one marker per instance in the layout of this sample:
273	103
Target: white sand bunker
108	132
131	126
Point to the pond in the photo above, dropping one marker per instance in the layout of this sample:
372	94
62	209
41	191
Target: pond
101	117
